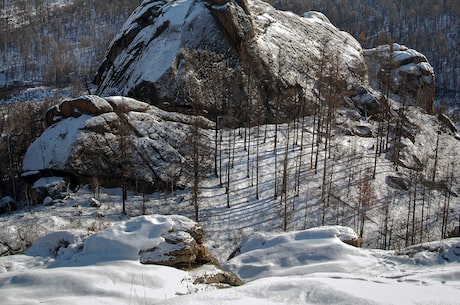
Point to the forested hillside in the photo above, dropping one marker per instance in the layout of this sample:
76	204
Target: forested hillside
61	42
429	26
50	44
56	43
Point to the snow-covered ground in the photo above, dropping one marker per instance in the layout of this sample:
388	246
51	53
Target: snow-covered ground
296	267
301	267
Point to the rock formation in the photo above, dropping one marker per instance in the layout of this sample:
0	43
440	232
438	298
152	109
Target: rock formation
405	72
116	140
217	55
236	62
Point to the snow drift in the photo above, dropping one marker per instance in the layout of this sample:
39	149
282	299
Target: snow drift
302	267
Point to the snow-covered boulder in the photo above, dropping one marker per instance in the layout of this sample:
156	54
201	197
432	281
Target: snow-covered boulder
215	54
88	104
180	250
55	244
49	187
405	71
435	251
7	204
172	240
131	143
127	239
298	252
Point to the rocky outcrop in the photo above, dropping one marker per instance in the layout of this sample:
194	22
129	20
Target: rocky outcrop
405	72
447	123
364	101
400	183
180	250
53	187
211	275
225	57
118	140
234	18
183	248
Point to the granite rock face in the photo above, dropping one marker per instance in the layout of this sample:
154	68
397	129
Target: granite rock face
225	56
405	72
124	142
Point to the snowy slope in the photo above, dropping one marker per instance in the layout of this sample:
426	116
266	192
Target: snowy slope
297	267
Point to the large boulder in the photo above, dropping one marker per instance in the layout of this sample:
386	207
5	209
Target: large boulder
180	250
87	104
126	142
405	72
215	56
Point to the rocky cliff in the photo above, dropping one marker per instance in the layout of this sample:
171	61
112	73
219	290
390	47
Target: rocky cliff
226	57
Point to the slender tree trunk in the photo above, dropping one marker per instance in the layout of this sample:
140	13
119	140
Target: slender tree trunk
413	213
220	159
423	214
257	161
12	174
436	158
216	147
229	156
284	186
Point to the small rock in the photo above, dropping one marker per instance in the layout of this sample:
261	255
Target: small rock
398	183
217	276
7	204
178	250
95	203
48	201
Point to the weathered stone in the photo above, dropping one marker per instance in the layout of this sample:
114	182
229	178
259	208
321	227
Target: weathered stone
405	72
400	183
123	104
87	104
225	51
142	147
180	249
447	122
219	277
95	203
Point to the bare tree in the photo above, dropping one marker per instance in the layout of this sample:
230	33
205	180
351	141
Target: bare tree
197	162
366	200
